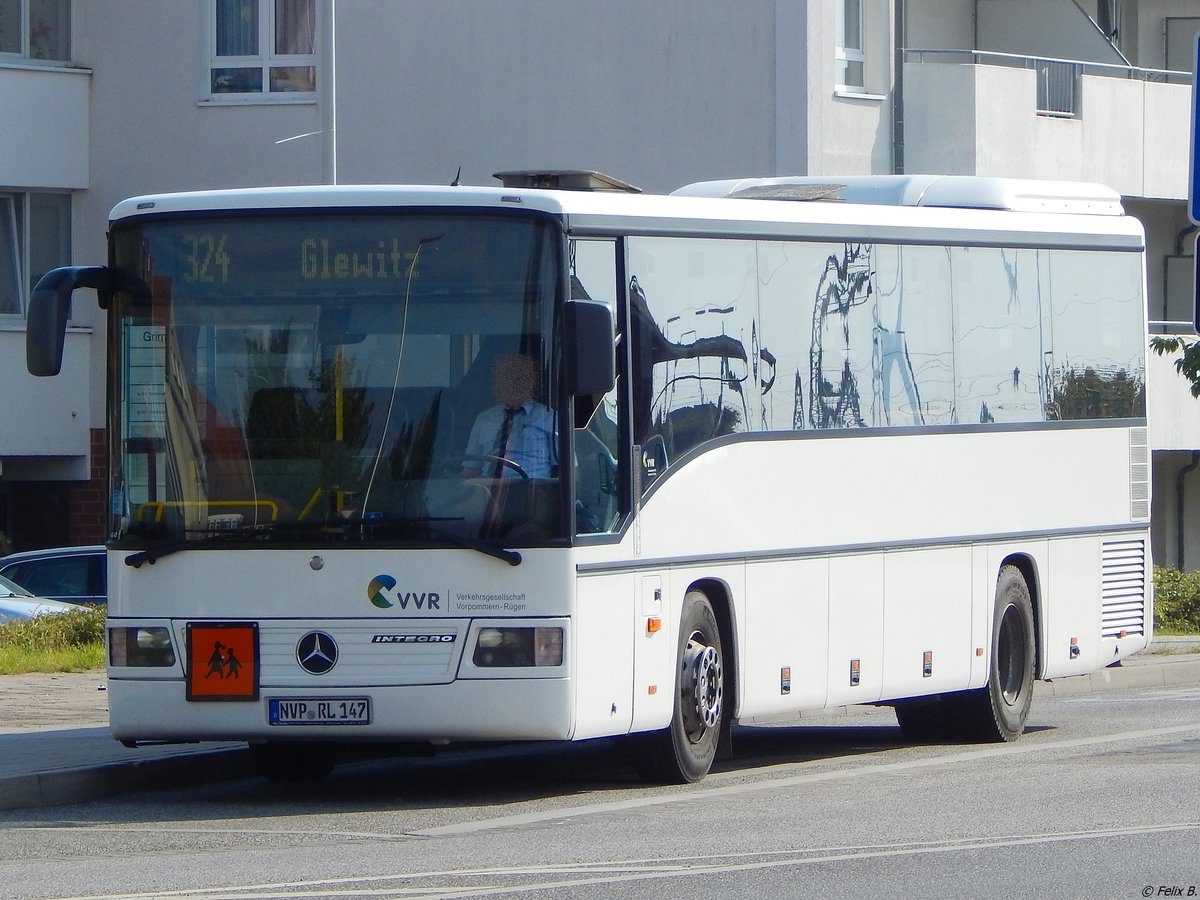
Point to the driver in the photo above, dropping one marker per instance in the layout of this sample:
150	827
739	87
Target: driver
518	429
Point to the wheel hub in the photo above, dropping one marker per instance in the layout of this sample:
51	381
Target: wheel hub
707	686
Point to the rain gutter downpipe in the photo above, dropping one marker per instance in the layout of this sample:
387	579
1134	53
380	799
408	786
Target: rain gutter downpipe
899	36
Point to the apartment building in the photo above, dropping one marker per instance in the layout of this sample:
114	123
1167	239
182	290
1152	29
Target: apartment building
107	100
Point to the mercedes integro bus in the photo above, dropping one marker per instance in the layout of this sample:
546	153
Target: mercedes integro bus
803	446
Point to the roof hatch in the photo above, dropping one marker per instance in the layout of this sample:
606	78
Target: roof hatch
565	180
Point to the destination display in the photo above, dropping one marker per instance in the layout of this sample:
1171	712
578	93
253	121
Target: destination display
273	255
207	260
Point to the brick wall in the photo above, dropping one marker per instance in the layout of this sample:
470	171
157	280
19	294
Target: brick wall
88	507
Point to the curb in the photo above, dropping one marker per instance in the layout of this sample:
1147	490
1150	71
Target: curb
1162	671
189	765
66	786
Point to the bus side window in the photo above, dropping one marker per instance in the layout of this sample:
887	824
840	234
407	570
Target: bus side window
692	308
597	488
597	434
645	337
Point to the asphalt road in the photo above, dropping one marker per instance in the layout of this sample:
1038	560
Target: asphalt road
1101	798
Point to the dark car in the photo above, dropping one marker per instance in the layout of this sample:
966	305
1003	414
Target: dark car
76	574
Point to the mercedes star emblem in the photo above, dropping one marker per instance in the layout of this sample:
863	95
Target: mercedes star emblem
316	652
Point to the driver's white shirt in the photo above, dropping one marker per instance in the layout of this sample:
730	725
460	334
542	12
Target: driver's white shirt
532	443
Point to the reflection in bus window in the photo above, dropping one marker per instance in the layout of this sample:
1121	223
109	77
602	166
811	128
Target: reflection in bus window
692	307
597	434
731	337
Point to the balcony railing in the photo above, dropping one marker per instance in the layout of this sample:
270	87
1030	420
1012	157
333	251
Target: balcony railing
1058	80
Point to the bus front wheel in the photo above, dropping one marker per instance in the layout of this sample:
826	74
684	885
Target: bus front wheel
683	752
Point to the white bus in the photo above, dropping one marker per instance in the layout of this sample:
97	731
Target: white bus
803	446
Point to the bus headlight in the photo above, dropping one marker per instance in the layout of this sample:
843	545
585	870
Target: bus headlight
141	645
518	647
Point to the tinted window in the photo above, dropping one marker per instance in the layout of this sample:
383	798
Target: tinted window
735	336
61	577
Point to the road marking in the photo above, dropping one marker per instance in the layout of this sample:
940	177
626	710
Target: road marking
839	770
611	872
834	774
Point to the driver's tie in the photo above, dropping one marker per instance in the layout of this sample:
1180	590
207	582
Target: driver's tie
502	440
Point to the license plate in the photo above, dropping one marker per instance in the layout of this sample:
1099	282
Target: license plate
323	711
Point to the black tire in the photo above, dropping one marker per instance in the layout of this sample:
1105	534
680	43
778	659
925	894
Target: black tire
683	752
291	762
998	712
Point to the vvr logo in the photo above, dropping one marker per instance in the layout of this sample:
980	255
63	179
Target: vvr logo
382	592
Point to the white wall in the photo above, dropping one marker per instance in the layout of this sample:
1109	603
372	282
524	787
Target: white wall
850	134
44	130
983	120
793	76
45	418
656	93
1174	413
939	118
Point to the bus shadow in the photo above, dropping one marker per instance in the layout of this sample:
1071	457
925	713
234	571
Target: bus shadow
757	745
494	779
511	774
773	745
508	775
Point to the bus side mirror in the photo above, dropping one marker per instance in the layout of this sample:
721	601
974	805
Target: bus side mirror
49	308
589	348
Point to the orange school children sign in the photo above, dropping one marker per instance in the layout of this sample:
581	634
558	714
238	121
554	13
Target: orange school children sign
222	661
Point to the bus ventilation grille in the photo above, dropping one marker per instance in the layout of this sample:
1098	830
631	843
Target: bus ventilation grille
1139	474
1123	588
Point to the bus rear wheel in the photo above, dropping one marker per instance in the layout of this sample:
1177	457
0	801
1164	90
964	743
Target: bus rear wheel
683	752
998	712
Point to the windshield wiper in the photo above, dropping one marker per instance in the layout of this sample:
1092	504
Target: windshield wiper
512	557
253	533
303	529
153	554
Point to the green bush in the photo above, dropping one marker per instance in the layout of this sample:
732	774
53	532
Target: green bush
53	643
1176	601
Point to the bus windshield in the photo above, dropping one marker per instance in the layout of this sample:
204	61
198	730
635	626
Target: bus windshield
336	376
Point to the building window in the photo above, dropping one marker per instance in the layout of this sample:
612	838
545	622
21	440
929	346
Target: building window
849	69
10	270
263	49
35	236
35	29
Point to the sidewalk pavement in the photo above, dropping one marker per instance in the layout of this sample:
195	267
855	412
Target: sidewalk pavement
55	747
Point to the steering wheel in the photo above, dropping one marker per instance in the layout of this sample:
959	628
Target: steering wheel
497	460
